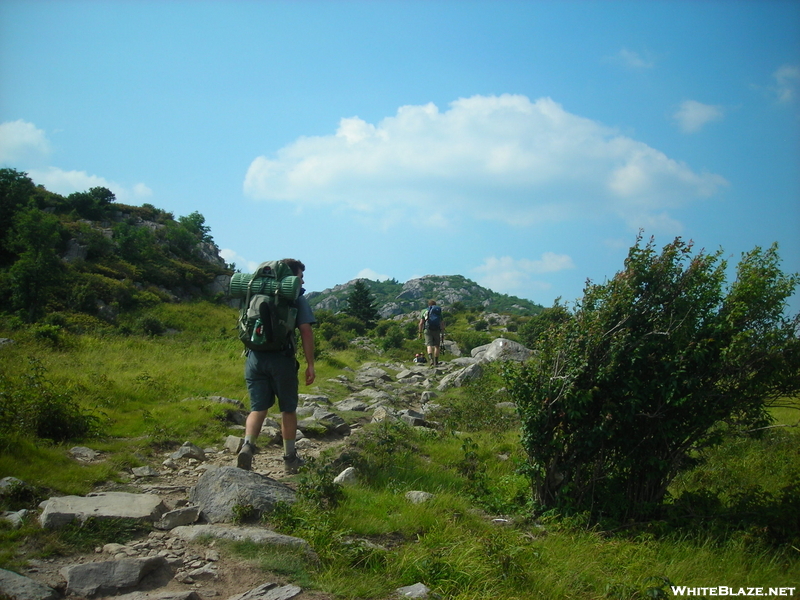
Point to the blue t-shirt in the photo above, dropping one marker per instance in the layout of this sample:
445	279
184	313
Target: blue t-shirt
304	312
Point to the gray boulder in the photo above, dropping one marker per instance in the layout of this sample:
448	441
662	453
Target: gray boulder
502	349
189	450
219	491
109	578
459	378
17	586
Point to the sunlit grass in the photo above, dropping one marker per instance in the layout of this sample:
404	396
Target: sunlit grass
149	392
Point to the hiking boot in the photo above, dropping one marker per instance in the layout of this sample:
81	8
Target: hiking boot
292	464
244	459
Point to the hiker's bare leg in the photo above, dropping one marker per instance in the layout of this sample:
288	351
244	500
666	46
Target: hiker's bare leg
252	426
289	425
289	432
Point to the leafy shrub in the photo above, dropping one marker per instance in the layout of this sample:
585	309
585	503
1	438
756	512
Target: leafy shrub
625	390
393	338
471	339
377	452
475	408
151	326
48	333
34	406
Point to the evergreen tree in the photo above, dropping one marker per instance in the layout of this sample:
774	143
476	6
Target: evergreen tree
361	304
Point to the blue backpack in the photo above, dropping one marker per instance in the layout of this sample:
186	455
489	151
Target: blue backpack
434	319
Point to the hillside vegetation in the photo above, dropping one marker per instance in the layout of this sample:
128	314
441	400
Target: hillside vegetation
120	344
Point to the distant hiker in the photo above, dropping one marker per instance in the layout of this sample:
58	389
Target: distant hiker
431	323
273	373
418	358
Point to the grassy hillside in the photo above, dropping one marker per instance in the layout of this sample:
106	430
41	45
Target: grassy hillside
731	524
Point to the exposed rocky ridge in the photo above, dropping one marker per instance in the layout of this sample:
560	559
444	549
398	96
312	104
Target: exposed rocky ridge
191	498
393	298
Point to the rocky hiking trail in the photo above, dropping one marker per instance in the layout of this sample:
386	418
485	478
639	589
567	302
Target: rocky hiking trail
191	499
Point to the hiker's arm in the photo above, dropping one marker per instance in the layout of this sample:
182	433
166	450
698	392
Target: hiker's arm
307	339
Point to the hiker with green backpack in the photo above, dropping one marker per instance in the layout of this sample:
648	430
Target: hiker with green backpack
431	322
273	306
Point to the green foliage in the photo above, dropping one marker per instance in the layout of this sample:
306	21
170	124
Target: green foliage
90	205
361	304
475	408
86	536
538	324
145	245
16	188
19	495
37	273
378	453
467	340
393	338
195	224
622	393
32	406
316	484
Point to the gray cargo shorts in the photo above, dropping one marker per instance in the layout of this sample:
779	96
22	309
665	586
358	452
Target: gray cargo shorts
270	375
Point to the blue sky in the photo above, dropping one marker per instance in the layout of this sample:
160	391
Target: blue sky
520	144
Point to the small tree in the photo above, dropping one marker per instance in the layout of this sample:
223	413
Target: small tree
361	304
38	271
646	370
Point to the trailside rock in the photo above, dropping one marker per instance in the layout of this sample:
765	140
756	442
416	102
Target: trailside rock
459	378
502	349
105	505
13	585
269	591
219	491
259	535
418	590
109	578
347	477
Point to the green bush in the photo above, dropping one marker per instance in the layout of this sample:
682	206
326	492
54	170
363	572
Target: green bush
624	393
468	340
33	406
393	338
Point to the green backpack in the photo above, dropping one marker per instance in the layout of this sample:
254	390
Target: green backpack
269	306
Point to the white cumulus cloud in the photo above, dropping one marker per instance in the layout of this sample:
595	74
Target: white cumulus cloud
22	144
371	275
509	275
502	158
25	147
633	60
244	265
787	78
66	182
692	115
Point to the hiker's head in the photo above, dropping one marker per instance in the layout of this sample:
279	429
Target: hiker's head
431	302
296	266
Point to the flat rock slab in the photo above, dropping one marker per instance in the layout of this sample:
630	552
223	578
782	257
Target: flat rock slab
107	505
270	591
259	535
